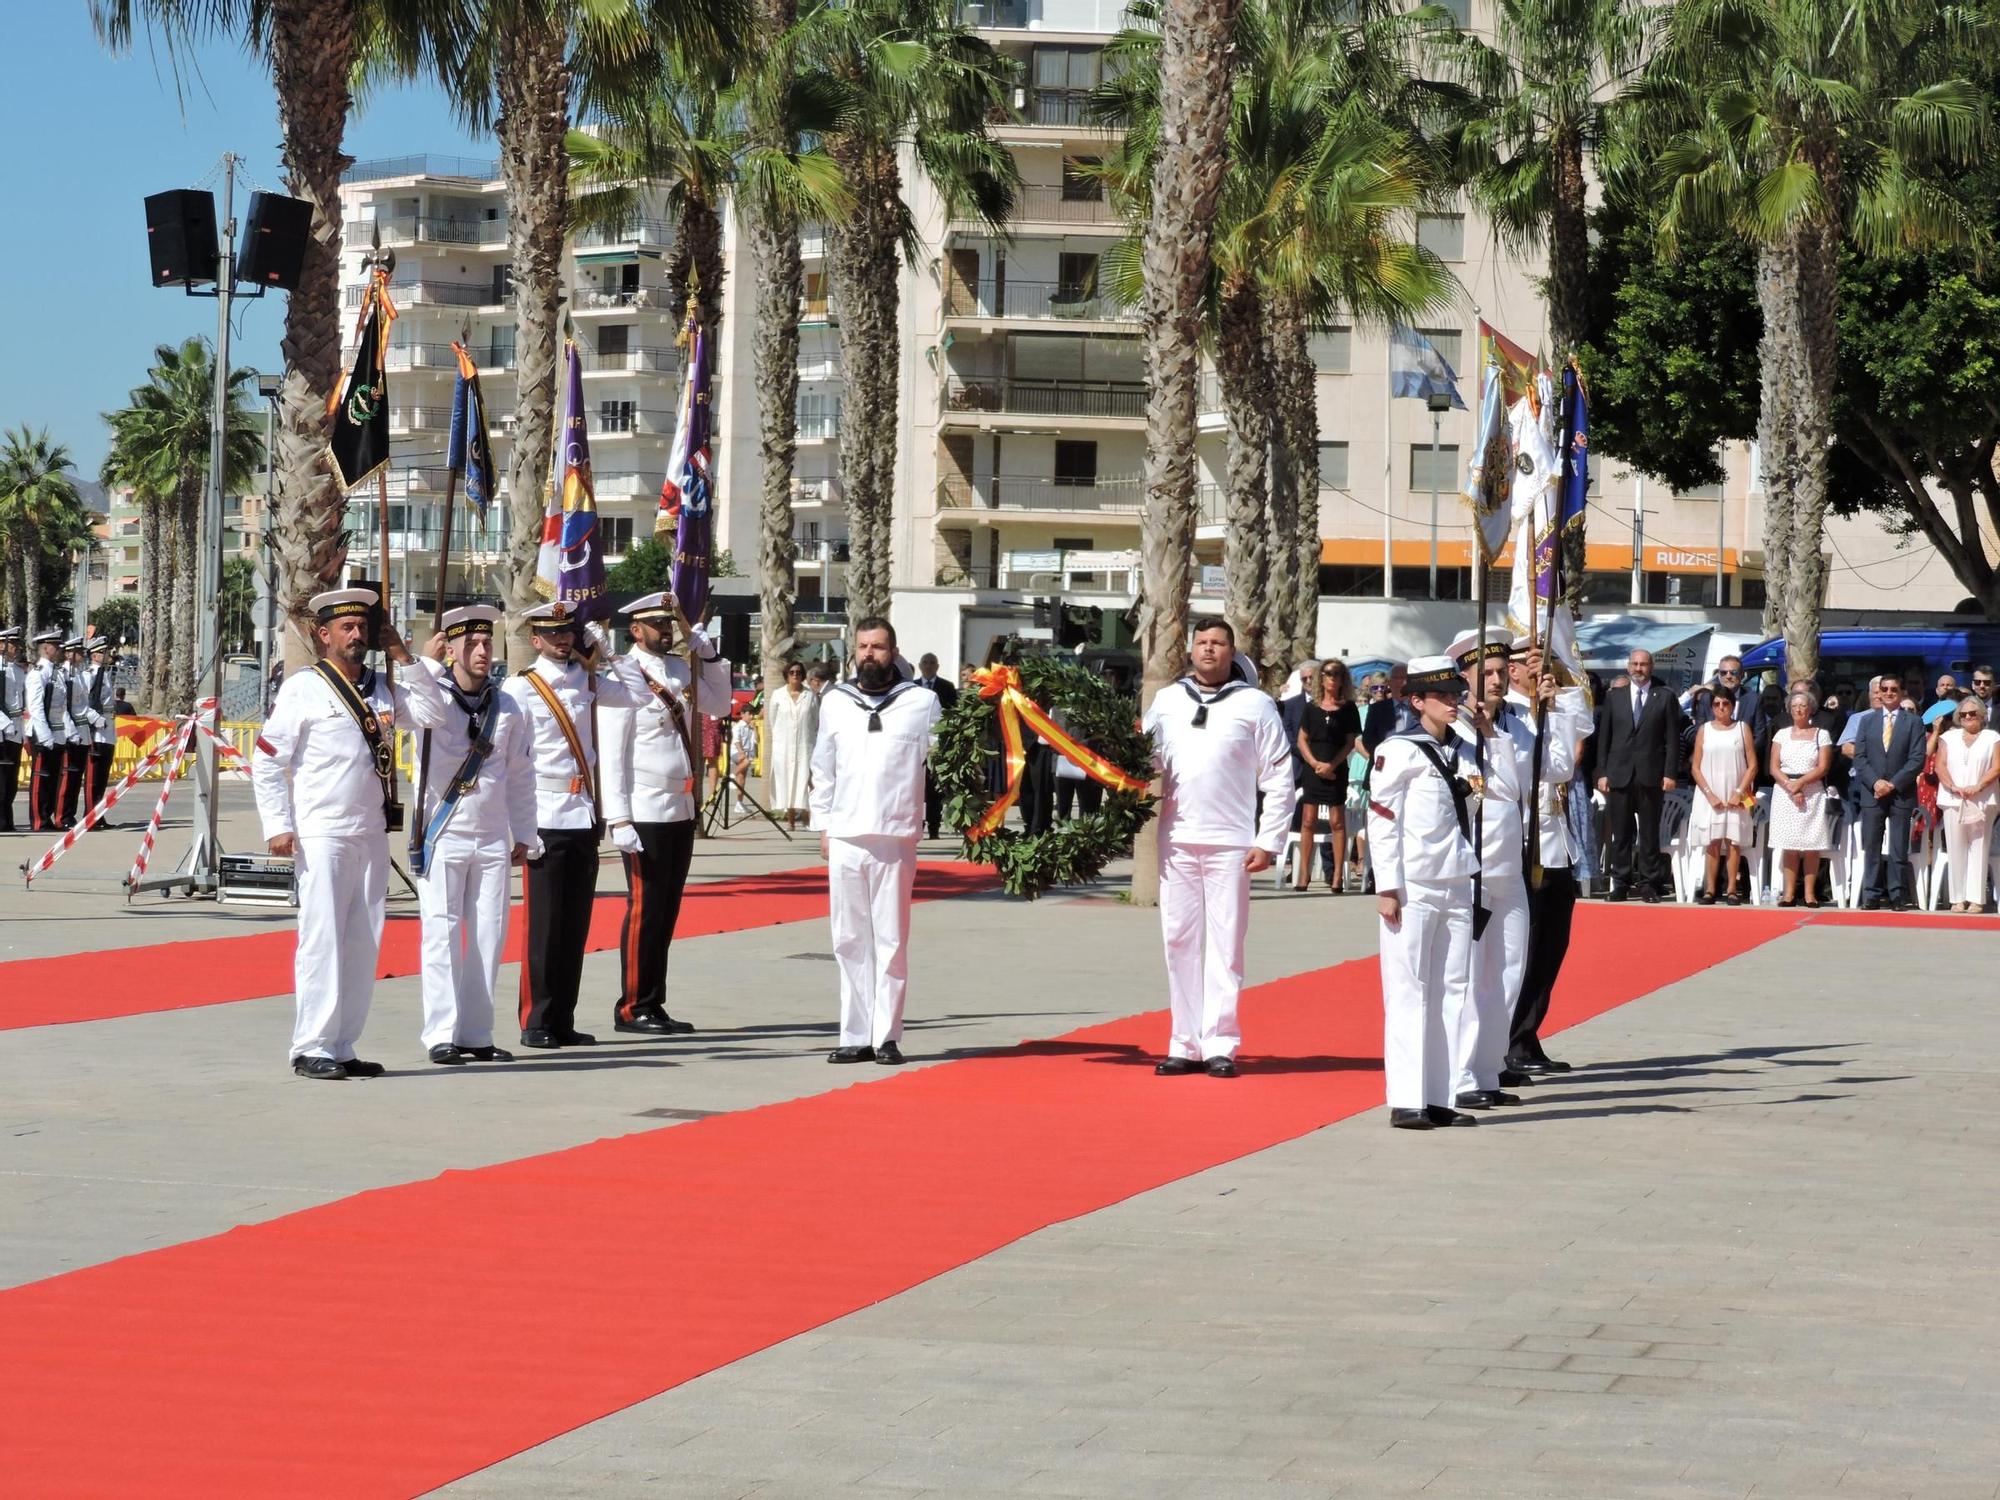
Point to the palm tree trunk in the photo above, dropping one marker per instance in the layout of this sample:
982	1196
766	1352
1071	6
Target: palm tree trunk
1781	359
779	283
152	589
1812	425
532	78
181	666
15	593
697	261
1569	248
31	576
313	49
1251	574
1187	180
1295	380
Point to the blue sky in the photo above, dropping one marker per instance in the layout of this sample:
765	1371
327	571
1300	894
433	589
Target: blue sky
89	136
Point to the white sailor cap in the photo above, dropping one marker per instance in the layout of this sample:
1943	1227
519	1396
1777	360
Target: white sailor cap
11	633
97	645
337	603
1524	644
1433	674
553	616
47	638
470	619
74	643
1465	650
652	608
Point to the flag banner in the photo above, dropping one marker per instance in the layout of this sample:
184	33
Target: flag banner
1518	367
470	452
1487	482
1534	603
570	568
359	444
1416	368
686	494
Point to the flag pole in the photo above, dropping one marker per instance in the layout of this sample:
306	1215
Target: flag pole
376	289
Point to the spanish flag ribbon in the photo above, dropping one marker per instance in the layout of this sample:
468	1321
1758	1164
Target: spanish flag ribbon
1002	684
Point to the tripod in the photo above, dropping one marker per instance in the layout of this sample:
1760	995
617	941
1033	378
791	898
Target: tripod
718	807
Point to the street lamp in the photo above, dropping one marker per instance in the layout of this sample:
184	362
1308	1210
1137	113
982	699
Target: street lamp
1439	402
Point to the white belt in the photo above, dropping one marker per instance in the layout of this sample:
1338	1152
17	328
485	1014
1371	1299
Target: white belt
658	780
561	784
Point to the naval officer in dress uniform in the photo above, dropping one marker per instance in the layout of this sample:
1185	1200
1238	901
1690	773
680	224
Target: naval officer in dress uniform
99	693
1420	846
650	755
559	889
1218	744
1479	1026
476	812
76	750
48	731
13	721
322	771
868	809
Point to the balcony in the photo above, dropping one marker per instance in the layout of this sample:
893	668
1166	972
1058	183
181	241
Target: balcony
650	233
1120	400
413	229
816	492
1046	204
821	553
423	164
665	360
435	294
1004	492
819	426
616	483
638	423
1053	301
596	299
440	358
816	310
420	419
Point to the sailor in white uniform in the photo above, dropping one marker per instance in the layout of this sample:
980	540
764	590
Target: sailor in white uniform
1420	846
650	757
558	694
76	749
13	722
322	771
1218	744
99	693
1479	1025
868	808
48	731
1552	892
474	820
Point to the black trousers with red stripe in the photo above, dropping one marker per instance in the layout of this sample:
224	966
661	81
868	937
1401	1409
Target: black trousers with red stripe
559	890
76	765
45	795
10	781
656	876
99	776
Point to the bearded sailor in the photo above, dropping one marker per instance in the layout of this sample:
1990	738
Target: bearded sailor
868	809
324	775
48	731
650	754
475	819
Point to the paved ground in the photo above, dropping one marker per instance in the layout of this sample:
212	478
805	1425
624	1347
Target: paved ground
1747	1249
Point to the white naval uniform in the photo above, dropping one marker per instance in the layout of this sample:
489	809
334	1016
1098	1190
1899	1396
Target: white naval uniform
1209	823
868	799
1569	720
556	805
646	771
466	886
1478	1023
1419	852
13	729
48	705
1552	903
315	778
102	721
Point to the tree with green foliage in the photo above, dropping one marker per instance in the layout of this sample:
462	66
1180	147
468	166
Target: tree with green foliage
117	618
42	515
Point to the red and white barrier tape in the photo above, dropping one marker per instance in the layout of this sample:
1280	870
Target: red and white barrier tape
105	803
160	806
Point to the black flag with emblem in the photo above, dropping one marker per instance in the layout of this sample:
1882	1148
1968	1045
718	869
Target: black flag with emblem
360	441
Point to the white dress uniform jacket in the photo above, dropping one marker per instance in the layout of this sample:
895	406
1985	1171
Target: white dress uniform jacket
13	702
48	705
101	723
1478	1023
556	806
314	776
1569	720
868	798
1209	821
647	778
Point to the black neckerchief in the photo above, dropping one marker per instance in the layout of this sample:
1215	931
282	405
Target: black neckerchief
354	698
1461	790
874	705
1202	703
474	705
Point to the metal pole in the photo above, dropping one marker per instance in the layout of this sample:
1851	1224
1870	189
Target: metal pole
1721	531
1437	421
1639	538
1388	491
205	867
267	529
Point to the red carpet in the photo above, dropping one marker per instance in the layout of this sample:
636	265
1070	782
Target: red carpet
210	1368
215	971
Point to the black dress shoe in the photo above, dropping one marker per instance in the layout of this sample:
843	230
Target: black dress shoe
1174	1067
1475	1099
1615	895
1652	897
1902	903
1514	1078
1872	903
447	1055
644	1023
356	1068
1548	1064
576	1039
544	1041
488	1054
318	1067
890	1055
1409	1119
1220	1067
1501	1097
851	1055
1437	1114
678	1028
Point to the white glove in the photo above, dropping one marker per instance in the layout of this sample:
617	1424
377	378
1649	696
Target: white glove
626	838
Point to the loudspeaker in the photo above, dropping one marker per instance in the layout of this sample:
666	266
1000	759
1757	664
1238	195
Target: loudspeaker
736	637
274	249
180	236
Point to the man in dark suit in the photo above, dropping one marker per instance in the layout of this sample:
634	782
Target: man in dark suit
1389	714
1638	744
1888	754
947	692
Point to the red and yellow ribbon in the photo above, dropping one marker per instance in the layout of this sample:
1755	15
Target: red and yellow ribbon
1002	684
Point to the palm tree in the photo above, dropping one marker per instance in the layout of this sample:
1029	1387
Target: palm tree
1546	82
161	443
1802	128
908	76
41	509
311	48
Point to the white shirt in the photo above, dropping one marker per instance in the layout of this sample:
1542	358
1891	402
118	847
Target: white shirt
500	808
556	806
1214	771
1569	721
1413	832
95	725
13	701
312	770
870	783
1500	820
646	770
48	711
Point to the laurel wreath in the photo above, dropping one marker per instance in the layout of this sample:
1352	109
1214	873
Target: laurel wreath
1072	853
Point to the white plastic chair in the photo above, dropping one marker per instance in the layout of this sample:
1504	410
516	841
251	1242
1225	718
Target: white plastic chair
1844	857
1282	873
1757	853
1674	811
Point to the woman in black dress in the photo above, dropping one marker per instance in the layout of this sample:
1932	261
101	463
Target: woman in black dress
1327	733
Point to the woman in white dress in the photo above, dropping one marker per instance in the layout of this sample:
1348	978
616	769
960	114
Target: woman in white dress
1801	757
1968	766
791	723
1725	773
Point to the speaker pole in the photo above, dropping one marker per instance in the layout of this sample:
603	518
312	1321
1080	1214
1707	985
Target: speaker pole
206	866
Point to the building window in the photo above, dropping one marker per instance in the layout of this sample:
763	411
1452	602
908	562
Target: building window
617	534
1075	544
1700	492
1332	464
1076	462
1442	234
503	285
1333	350
1063	79
614	416
1076	277
1076	187
1434	469
1446	342
614	339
